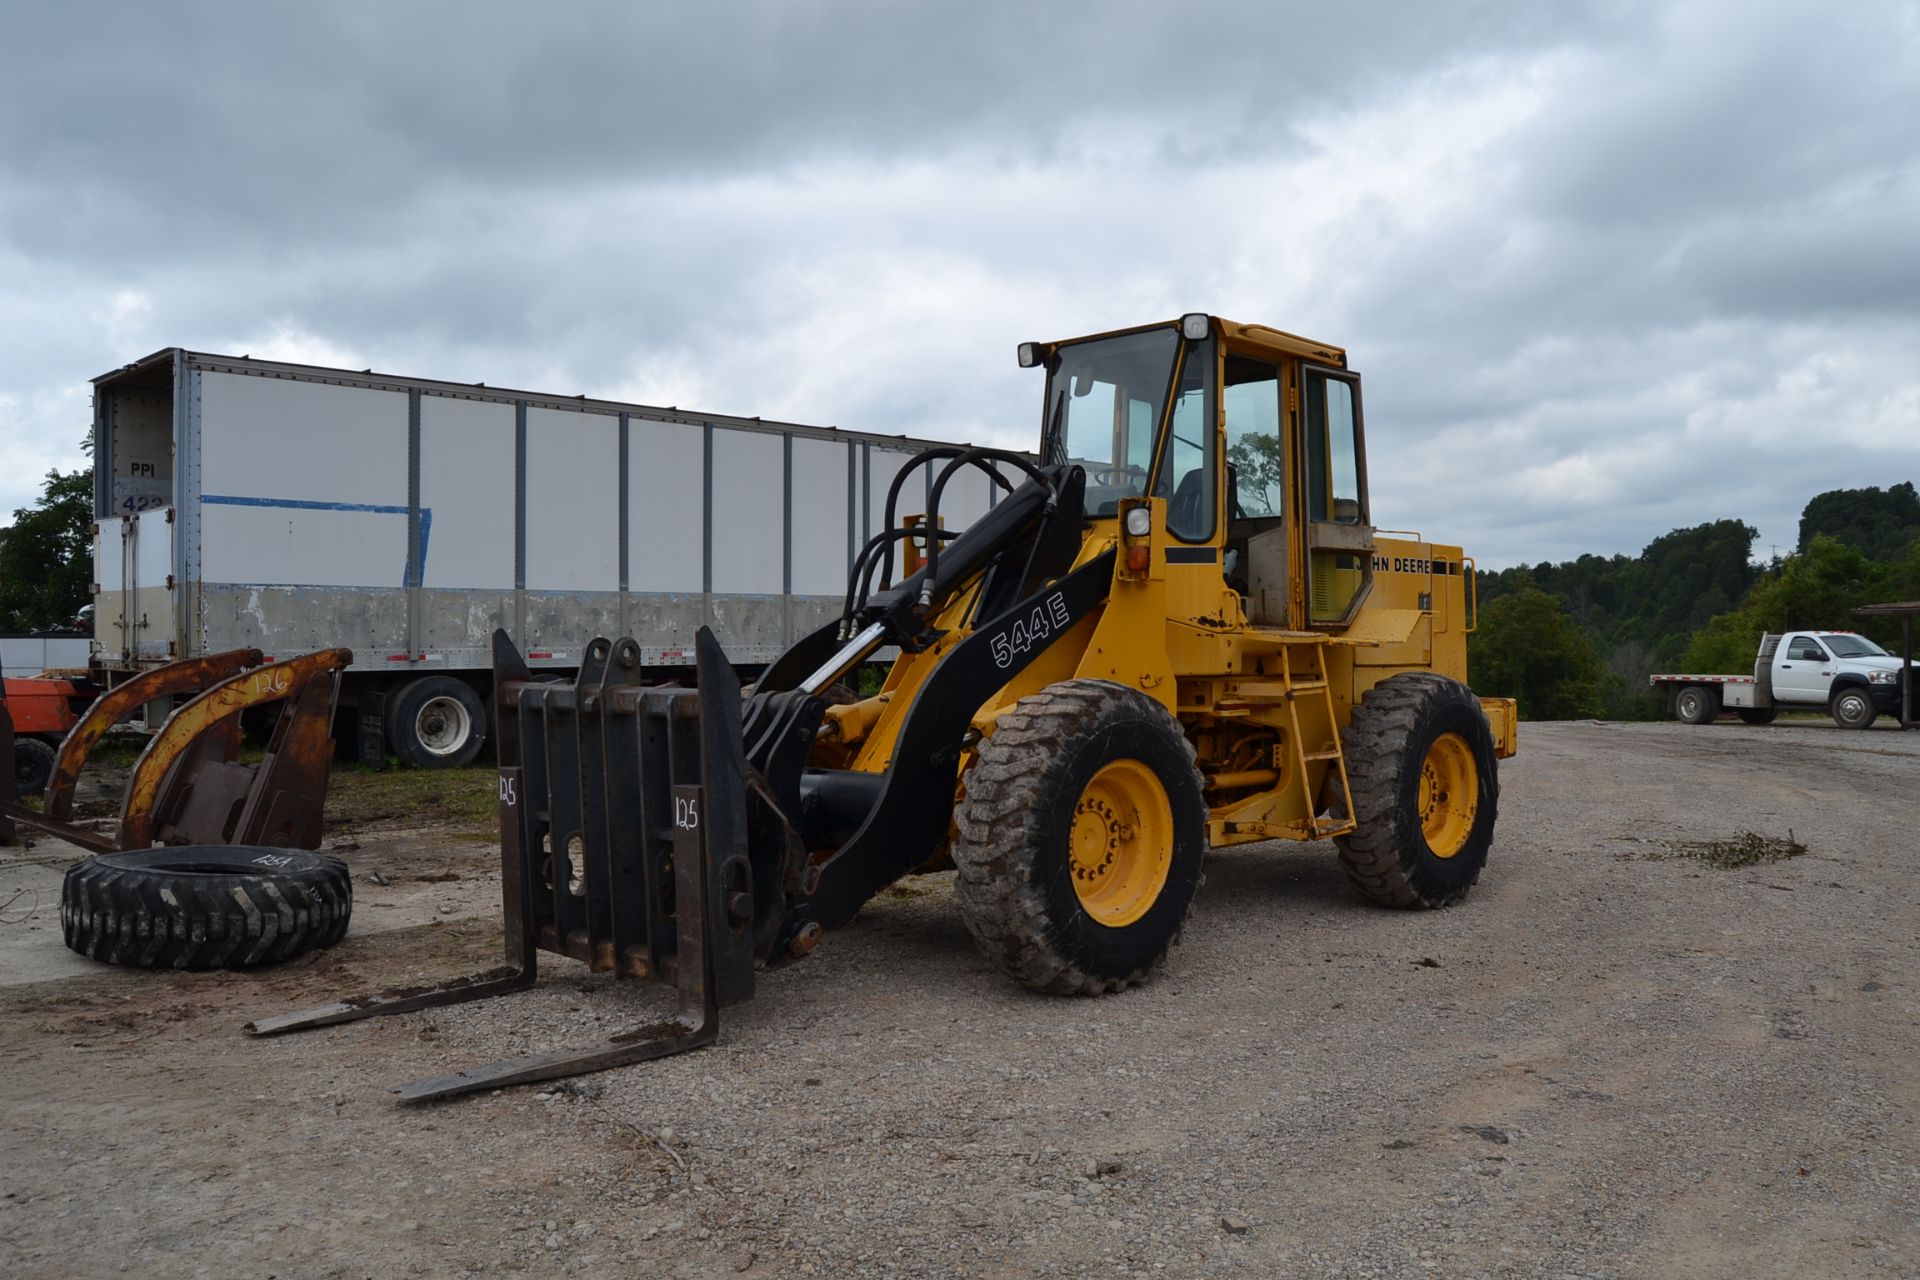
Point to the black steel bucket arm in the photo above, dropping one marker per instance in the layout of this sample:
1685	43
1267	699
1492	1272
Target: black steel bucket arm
915	804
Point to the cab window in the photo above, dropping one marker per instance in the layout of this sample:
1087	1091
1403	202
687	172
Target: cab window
1104	399
1252	401
1186	478
1806	649
1333	452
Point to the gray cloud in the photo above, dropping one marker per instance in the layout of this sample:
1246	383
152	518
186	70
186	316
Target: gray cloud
1605	265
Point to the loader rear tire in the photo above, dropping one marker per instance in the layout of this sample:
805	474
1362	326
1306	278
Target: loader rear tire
1080	838
205	906
1426	791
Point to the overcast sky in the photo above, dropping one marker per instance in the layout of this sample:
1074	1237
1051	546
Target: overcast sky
1608	268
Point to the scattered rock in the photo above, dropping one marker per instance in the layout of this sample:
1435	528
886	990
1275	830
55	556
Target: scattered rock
1399	1144
1492	1134
1235	1226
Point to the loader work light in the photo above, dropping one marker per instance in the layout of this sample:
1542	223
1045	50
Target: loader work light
1030	354
1139	522
1195	325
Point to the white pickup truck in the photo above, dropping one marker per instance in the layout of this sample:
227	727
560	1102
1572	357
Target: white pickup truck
1850	676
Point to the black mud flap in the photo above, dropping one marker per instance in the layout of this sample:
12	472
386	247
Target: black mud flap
635	839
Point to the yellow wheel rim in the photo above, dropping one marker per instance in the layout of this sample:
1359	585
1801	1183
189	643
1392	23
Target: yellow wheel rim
1449	795
1122	843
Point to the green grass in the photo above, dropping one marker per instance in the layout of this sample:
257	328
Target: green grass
466	800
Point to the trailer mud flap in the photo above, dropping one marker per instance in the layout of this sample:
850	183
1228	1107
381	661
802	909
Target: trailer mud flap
624	843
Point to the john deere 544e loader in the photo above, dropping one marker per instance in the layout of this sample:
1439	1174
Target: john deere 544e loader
1179	629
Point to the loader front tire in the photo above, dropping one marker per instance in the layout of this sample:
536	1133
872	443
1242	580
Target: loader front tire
1426	791
205	906
1080	838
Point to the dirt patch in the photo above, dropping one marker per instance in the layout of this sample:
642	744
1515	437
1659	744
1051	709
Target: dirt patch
1745	850
1749	849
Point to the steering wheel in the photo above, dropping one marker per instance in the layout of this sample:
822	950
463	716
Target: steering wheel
1118	477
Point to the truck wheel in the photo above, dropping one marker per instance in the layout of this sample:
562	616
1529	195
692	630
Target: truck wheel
1852	708
32	766
204	906
1426	791
1696	704
1759	715
1080	838
436	722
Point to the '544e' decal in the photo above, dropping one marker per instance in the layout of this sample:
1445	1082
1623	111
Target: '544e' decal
1046	618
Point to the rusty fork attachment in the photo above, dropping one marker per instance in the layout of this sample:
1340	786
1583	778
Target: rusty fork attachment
623	838
187	787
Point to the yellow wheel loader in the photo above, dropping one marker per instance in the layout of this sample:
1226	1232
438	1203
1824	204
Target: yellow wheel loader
1177	629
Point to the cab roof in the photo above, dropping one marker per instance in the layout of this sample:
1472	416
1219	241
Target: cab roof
1260	339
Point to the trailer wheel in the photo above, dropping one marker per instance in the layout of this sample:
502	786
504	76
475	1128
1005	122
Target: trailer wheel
1852	708
32	766
205	906
1696	704
436	722
1759	715
1080	838
1426	790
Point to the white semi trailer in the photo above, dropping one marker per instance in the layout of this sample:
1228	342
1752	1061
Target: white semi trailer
246	503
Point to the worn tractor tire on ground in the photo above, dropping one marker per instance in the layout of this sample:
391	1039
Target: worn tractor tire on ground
1080	838
32	766
1852	708
436	722
1696	704
1758	715
205	906
1426	791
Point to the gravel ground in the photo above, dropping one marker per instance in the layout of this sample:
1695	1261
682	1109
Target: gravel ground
1612	1060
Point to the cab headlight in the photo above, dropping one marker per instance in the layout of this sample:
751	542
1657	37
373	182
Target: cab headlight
1139	522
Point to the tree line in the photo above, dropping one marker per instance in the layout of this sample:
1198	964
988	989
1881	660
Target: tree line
46	556
1578	639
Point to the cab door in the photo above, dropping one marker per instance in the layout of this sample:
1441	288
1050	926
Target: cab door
1333	485
1802	671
